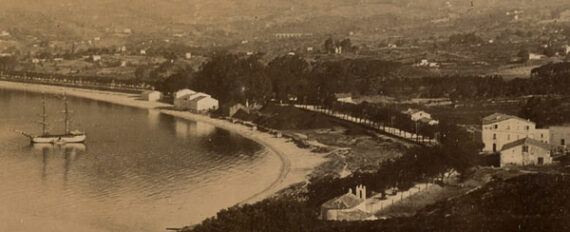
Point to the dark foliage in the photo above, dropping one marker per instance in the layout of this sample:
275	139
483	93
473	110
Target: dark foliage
546	111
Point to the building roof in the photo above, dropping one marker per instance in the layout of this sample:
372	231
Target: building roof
199	98
346	201
499	117
526	141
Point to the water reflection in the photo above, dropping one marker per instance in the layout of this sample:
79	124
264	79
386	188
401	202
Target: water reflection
184	128
70	152
153	118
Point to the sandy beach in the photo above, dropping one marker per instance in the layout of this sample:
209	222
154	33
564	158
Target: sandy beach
296	163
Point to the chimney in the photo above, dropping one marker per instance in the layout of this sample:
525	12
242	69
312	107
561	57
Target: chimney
361	192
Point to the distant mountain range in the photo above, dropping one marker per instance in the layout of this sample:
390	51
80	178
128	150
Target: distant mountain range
240	18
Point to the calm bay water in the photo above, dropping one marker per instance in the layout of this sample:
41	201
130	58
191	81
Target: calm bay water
138	171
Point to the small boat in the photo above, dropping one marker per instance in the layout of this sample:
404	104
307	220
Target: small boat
68	136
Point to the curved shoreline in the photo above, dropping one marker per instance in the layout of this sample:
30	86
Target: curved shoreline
296	163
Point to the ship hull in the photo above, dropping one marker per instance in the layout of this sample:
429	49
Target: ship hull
58	139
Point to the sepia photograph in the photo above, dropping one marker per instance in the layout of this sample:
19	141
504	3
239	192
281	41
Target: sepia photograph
284	115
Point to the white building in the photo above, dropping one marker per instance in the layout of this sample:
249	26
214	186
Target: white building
204	104
525	151
96	58
183	92
534	56
500	129
188	55
151	95
143	52
197	102
417	115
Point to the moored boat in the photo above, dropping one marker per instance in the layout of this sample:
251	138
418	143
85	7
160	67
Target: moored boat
68	136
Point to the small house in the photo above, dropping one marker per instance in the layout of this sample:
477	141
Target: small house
143	52
151	95
417	115
96	58
188	55
525	151
534	56
348	207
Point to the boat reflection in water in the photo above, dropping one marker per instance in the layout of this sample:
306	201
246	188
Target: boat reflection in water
66	147
69	151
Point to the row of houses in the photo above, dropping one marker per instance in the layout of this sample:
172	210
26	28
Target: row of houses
186	99
519	142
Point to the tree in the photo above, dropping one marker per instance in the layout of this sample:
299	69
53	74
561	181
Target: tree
329	45
548	51
287	74
175	82
230	78
346	45
523	54
7	63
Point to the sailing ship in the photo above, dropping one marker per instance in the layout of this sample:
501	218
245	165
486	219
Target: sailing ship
68	136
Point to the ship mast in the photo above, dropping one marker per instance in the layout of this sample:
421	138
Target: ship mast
66	112
44	116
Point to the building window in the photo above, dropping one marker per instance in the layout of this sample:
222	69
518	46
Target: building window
527	127
525	148
562	142
494	147
494	136
541	136
496	126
